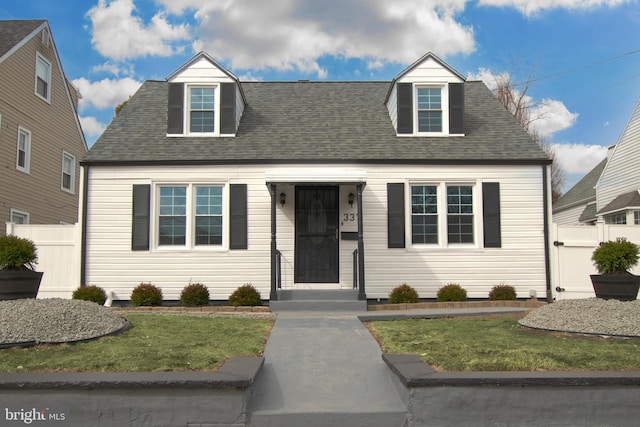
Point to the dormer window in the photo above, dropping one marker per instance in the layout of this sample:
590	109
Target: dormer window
202	111
429	109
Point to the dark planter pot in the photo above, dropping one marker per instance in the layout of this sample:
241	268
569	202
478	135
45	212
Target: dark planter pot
623	287
17	284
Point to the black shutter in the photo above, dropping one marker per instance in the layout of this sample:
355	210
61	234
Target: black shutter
141	207
491	214
456	108
405	108
395	215
228	108
238	216
175	109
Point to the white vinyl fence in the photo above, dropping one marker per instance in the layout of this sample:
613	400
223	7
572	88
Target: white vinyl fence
58	256
570	257
571	251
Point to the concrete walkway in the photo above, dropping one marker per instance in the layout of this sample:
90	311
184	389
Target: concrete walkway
325	369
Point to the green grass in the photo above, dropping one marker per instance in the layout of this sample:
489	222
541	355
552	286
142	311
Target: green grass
153	343
500	344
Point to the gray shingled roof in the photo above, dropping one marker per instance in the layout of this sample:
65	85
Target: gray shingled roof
583	191
12	32
310	122
623	201
589	213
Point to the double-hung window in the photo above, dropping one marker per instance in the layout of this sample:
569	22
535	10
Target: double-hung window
429	109
459	214
442	214
23	152
202	101
636	217
616	218
43	78
68	171
190	215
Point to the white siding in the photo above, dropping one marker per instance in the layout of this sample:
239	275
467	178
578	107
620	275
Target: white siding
520	262
621	173
430	71
569	216
202	71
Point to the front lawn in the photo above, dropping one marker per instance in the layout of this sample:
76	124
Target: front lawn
498	343
154	342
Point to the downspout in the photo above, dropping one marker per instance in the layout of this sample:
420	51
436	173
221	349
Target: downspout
547	249
273	296
362	295
83	226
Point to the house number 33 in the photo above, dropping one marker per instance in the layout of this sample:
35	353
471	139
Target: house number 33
349	217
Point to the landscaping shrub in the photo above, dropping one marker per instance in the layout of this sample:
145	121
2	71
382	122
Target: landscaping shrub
194	294
403	294
503	292
145	294
245	295
90	293
17	253
452	292
615	256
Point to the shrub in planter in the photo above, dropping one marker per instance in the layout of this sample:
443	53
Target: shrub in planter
613	259
503	292
452	292
146	294
245	295
90	293
403	294
194	294
17	262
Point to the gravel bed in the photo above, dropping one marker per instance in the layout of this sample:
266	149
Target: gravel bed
55	321
588	316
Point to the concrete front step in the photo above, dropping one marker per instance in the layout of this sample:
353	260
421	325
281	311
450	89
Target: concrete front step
329	419
318	300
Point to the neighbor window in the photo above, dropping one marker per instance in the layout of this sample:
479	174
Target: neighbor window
616	218
19	217
202	109
23	152
429	109
68	171
460	214
424	214
43	77
636	217
190	215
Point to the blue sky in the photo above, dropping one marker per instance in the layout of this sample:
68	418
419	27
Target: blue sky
582	56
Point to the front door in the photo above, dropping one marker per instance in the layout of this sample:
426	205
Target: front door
316	257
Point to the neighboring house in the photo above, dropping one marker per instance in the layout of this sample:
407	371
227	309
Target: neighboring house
41	141
424	180
610	192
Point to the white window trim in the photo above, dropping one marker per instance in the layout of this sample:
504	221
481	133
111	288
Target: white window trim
71	157
39	57
444	93
478	235
187	109
191	215
20	213
27	166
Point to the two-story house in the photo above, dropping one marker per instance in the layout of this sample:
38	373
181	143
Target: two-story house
424	180
41	140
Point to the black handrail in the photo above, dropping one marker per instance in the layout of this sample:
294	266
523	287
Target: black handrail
279	269
355	269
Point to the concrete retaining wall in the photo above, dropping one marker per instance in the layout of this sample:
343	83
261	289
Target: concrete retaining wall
608	398
163	399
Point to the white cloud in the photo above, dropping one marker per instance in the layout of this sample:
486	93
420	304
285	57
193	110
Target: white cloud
530	7
91	126
550	116
579	158
119	35
379	31
115	69
546	117
106	93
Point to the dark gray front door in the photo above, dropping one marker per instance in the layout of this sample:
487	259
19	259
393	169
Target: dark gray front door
316	258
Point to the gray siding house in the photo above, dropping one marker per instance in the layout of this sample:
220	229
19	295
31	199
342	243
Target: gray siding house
41	141
424	180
